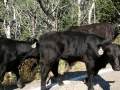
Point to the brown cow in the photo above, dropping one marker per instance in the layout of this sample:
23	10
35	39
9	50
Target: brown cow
105	30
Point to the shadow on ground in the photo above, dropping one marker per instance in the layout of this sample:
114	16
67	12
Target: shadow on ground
12	87
105	85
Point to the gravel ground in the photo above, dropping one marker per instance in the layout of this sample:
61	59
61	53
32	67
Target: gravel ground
105	81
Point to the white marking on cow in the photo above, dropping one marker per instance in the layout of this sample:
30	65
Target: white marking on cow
74	79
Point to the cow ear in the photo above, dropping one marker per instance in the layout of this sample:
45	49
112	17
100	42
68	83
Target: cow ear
34	45
35	40
100	51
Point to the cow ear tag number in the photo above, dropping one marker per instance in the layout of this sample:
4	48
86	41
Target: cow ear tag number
100	51
34	45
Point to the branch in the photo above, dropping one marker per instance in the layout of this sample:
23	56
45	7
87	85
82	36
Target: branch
115	7
46	12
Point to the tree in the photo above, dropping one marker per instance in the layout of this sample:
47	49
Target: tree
106	11
90	11
31	18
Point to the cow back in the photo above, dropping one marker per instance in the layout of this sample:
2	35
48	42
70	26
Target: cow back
105	30
71	43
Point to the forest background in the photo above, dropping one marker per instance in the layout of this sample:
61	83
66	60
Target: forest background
20	19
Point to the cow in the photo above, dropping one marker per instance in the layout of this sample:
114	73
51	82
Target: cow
112	56
103	29
12	54
70	46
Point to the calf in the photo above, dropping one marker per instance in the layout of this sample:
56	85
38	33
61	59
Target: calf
104	29
12	54
70	46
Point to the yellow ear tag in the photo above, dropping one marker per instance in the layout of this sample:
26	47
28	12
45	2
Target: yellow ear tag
34	45
100	51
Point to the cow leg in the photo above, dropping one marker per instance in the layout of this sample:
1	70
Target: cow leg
19	81
45	69
90	73
2	73
1	80
90	82
95	73
56	75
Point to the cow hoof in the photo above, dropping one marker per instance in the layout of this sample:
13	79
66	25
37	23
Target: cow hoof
20	86
91	89
85	80
61	83
19	83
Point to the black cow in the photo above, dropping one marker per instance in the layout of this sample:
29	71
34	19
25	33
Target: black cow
70	46
105	30
12	54
111	55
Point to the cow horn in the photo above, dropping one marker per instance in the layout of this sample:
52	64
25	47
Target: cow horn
34	45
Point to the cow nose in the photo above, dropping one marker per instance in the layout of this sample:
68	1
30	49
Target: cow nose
117	68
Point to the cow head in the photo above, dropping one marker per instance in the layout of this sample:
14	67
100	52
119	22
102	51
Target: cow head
114	62
112	55
33	53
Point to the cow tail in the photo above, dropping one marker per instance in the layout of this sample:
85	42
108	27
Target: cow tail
42	66
41	58
43	69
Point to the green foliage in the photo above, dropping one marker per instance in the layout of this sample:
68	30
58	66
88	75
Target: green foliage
9	80
60	15
30	75
67	14
105	11
2	15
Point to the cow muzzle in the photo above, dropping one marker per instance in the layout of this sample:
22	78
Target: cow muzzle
116	68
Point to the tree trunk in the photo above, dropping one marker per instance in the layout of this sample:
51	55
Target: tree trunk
90	12
7	29
79	12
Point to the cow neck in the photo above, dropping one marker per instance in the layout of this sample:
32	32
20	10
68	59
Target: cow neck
21	61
